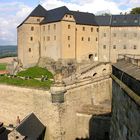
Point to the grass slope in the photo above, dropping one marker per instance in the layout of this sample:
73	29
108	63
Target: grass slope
25	83
36	72
2	66
33	72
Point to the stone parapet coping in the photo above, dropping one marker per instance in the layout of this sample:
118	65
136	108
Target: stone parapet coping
129	92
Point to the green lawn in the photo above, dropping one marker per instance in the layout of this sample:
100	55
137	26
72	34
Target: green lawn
35	72
25	83
2	66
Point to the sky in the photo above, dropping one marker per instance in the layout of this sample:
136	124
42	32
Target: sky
13	12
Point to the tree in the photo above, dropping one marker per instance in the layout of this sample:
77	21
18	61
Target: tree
135	10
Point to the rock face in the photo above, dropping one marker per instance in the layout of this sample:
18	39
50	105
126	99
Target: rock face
125	122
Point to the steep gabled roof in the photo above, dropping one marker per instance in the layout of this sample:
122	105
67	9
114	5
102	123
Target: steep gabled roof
103	20
39	11
55	14
125	20
84	18
31	127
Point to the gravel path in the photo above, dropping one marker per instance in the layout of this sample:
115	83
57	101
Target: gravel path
7	59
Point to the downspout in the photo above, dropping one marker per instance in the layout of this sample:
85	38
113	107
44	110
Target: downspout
110	39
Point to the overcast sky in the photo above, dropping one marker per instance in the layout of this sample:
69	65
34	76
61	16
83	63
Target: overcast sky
13	12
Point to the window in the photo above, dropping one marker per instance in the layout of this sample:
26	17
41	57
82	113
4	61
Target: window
68	26
88	38
135	20
95	54
104	46
29	49
31	38
96	39
66	15
114	46
114	21
48	27
54	37
83	28
124	47
97	29
135	34
43	28
125	35
70	16
135	47
54	26
91	29
114	34
44	38
38	20
68	37
48	38
69	45
125	21
82	39
104	34
32	28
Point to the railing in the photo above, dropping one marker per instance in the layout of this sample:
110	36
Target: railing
131	58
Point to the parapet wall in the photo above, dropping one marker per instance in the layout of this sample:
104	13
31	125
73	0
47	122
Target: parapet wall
125	122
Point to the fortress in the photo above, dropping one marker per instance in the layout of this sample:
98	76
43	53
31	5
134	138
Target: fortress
95	100
73	35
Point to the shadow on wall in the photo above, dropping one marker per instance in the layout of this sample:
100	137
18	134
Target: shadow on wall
99	127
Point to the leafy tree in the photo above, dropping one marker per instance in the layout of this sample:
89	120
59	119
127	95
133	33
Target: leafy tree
135	10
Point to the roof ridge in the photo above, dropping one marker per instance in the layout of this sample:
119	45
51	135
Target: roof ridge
58	8
82	12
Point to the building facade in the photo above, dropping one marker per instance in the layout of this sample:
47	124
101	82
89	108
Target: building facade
63	34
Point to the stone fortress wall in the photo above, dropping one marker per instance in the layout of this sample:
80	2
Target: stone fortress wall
65	114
